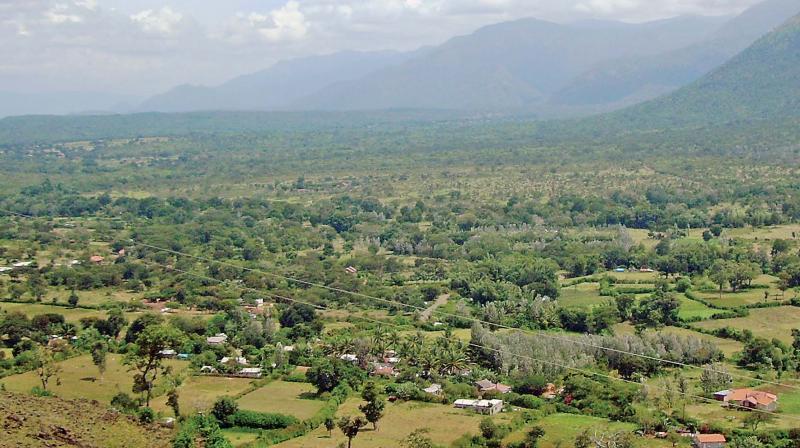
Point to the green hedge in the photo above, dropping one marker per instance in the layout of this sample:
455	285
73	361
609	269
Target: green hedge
261	420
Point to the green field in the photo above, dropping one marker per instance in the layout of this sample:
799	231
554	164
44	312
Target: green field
282	397
562	429
70	314
198	393
764	322
239	437
582	295
80	379
692	309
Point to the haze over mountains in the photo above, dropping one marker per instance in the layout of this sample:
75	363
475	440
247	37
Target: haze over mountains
760	83
527	65
760	86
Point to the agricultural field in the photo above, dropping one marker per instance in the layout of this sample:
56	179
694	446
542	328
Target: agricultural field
70	314
296	399
767	323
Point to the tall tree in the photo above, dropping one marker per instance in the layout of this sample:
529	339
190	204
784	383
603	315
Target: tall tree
350	427
45	365
145	357
99	351
374	406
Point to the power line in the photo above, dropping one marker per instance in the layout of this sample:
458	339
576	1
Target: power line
492	349
446	314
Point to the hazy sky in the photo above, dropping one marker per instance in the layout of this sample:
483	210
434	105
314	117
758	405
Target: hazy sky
146	46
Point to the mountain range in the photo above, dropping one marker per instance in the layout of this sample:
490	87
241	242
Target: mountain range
529	65
760	83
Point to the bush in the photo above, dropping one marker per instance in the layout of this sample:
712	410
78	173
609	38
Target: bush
124	403
261	420
39	392
223	408
525	401
146	415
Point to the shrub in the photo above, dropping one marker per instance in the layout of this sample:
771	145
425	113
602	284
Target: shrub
525	401
146	415
223	408
261	420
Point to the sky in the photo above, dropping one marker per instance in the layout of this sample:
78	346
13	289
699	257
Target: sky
142	47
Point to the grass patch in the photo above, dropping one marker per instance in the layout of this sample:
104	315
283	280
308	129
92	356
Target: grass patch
562	429
284	398
582	295
198	393
691	309
239	437
70	314
767	323
80	379
446	424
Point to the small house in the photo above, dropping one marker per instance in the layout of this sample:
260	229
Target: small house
433	389
251	372
485	407
708	441
384	370
208	370
351	270
4	269
218	339
237	360
488	386
23	264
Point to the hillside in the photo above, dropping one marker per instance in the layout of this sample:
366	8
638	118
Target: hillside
67	423
631	80
763	82
510	65
275	87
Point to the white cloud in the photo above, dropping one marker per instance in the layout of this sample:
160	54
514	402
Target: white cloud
163	21
60	13
285	23
91	5
606	7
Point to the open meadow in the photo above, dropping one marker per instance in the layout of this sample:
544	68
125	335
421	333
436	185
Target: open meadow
79	378
296	399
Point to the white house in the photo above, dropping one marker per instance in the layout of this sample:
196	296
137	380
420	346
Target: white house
486	407
238	360
251	372
219	339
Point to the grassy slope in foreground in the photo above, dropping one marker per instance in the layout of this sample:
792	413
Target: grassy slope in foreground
35	422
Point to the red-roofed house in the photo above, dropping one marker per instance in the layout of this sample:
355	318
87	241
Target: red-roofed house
709	441
749	398
488	386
